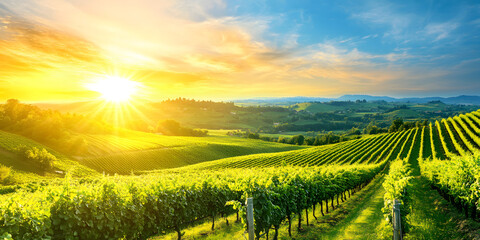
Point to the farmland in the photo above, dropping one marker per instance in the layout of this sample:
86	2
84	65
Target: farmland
144	151
343	168
136	151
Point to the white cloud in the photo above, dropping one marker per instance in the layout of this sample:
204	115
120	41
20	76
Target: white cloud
370	36
384	14
441	30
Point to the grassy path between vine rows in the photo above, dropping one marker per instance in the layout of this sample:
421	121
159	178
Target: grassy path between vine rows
364	218
433	217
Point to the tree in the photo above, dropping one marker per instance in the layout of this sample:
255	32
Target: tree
300	139
169	127
371	129
10	108
253	135
310	140
396	124
354	131
173	128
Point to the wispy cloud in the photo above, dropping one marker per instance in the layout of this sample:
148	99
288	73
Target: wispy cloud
403	25
370	36
198	50
384	14
441	30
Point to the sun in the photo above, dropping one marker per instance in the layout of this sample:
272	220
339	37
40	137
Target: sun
114	88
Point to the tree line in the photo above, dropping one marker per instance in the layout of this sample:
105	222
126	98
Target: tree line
318	140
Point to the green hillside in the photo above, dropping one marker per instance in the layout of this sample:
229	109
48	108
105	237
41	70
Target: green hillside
10	157
453	136
134	151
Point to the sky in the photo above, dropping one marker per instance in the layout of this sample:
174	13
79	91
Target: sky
220	50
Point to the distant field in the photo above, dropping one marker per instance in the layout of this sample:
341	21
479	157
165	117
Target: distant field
137	151
404	113
452	136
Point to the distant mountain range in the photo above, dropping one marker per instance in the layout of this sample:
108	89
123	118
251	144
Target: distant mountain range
463	99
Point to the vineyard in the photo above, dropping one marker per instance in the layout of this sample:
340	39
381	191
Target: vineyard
146	151
450	137
284	185
137	207
131	151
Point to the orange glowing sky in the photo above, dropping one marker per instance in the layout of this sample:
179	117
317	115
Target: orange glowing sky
49	50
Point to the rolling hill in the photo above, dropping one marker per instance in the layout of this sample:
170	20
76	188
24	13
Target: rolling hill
9	157
459	136
139	151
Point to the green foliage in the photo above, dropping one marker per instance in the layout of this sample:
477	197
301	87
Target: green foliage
47	126
173	128
6	236
42	157
354	131
4	172
320	139
458	180
18	161
374	129
397	184
399	125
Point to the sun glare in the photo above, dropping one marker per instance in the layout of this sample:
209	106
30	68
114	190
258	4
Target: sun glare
114	89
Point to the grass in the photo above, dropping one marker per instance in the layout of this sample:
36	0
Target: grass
434	218
362	215
234	230
404	113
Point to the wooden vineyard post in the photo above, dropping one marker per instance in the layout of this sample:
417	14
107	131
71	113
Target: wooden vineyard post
250	223
397	221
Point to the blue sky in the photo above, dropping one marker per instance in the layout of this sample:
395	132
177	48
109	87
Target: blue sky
230	49
433	35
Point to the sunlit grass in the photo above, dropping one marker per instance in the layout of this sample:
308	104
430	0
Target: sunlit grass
432	217
234	230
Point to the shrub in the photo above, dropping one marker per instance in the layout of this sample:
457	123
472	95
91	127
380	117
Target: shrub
40	156
4	172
